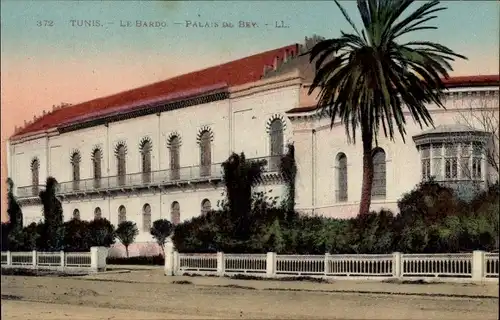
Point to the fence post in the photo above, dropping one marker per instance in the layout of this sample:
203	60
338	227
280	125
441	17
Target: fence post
98	257
397	265
63	262
478	262
327	264
34	258
9	258
169	259
271	264
177	263
221	264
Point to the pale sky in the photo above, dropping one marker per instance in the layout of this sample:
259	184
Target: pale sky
46	58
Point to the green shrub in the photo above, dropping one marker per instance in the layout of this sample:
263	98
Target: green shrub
158	260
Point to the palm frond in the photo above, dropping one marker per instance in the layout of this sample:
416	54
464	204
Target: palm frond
368	80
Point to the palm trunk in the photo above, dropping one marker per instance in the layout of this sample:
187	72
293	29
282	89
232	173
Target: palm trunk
366	189
126	250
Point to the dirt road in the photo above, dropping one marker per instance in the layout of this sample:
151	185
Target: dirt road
43	297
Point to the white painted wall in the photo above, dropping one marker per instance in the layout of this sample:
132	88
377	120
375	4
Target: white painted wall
252	114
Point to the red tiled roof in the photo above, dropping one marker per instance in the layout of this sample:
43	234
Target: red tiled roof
452	82
136	105
238	72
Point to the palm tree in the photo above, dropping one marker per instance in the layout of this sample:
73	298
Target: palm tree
367	78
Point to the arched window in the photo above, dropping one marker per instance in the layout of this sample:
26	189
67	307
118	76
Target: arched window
122	214
35	180
97	213
146	218
76	214
175	215
341	177
174	144
146	148
96	164
276	144
75	165
205	154
379	173
121	164
206	206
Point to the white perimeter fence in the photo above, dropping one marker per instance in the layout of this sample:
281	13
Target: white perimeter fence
475	266
92	261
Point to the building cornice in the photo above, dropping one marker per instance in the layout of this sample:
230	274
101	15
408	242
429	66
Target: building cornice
473	135
149	109
34	136
172	102
455	93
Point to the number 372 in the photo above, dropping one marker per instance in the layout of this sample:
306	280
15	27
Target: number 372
45	23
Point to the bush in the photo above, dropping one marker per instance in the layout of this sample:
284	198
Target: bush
432	218
76	236
158	260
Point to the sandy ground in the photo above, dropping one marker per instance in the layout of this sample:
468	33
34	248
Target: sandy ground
17	310
72	298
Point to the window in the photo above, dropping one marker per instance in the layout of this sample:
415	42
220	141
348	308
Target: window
437	161
477	156
121	164
97	213
206	206
174	158
426	162
379	174
35	168
96	164
459	161
341	177
122	214
76	214
276	144
464	161
146	218
146	148
450	161
175	215
205	154
75	164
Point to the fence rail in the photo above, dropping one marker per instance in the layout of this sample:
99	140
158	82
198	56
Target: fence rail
82	261
491	265
476	266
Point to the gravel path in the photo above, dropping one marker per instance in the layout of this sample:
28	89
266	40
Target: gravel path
98	300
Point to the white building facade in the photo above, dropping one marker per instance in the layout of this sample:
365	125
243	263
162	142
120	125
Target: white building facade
160	156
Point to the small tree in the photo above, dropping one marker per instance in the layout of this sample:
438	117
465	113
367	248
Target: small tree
288	169
126	233
482	114
53	232
14	209
101	233
240	175
161	230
